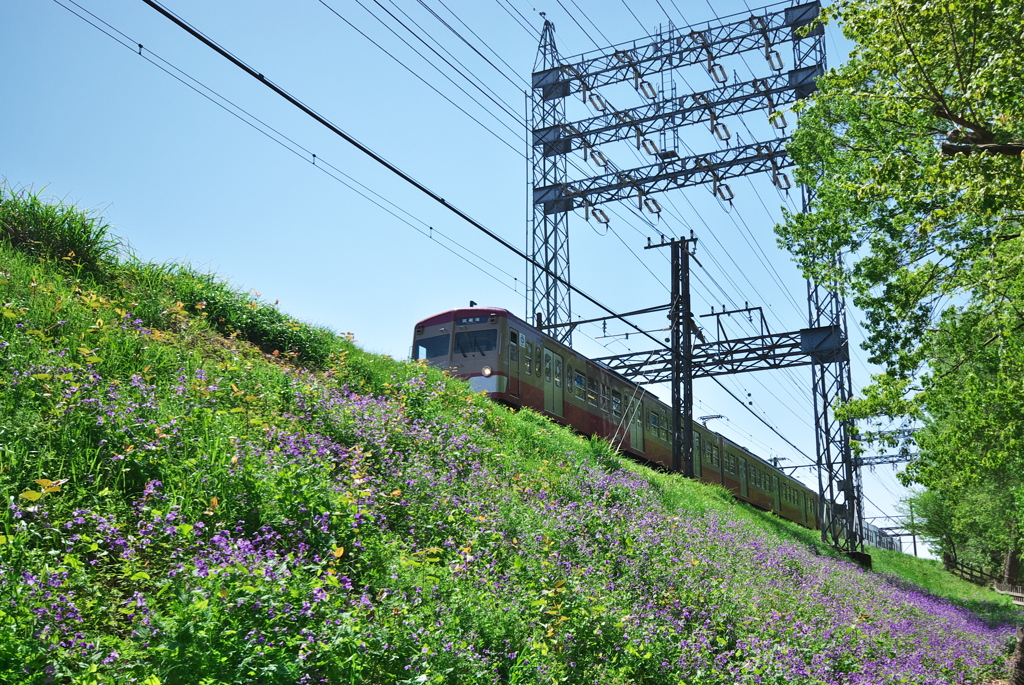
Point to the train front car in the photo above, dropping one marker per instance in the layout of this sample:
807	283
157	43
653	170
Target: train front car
469	343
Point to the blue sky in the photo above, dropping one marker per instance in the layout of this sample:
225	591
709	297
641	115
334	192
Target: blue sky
180	178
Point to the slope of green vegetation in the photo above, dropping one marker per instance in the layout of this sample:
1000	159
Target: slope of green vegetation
200	489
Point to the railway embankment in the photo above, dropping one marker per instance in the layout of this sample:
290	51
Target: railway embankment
201	489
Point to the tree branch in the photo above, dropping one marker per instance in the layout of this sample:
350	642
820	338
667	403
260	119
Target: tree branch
984	344
1006	149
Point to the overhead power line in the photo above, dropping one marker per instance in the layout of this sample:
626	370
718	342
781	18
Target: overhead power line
323	121
411	71
290	145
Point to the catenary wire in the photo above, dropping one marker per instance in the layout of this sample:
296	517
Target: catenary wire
413	72
522	81
321	164
525	23
475	83
380	160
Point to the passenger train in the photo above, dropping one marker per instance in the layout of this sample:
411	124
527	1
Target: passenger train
518	365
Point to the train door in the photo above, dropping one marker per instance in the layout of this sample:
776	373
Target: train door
635	423
513	362
696	454
742	467
552	382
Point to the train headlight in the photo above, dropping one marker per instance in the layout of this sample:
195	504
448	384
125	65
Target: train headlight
486	371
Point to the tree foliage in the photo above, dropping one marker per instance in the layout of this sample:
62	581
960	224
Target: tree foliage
965	523
915	221
913	151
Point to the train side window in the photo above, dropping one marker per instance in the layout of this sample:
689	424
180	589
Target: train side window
655	425
581	385
558	373
730	462
536	364
528	356
616	404
592	391
513	346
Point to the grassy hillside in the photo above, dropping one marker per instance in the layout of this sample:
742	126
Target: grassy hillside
202	490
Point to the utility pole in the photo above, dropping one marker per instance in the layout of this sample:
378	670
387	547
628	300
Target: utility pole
681	342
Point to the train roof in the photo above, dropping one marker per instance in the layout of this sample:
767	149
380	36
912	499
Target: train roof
451	314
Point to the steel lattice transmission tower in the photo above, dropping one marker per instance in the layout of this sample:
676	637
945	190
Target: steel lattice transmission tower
708	47
548	295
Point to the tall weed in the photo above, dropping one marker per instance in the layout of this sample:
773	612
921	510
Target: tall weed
53	230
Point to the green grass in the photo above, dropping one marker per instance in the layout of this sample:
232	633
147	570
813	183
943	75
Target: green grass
50	230
201	489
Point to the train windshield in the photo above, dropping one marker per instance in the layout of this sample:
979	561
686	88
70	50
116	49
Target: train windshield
429	348
476	343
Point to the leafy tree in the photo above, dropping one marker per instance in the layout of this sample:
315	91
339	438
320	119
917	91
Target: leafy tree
917	215
972	441
914	154
929	516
